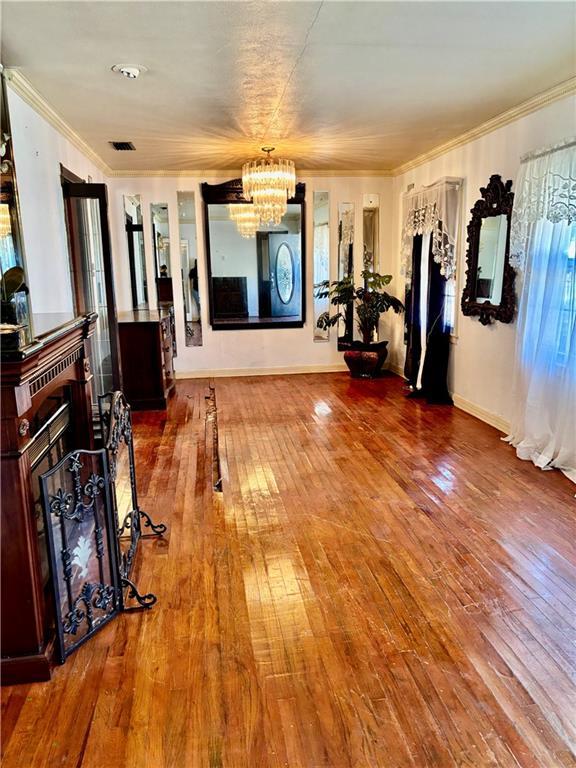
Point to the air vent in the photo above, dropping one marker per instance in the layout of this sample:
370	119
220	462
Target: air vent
123	146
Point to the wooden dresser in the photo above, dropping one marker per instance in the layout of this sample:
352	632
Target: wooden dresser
146	352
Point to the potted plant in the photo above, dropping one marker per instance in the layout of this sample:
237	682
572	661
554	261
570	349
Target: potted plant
370	300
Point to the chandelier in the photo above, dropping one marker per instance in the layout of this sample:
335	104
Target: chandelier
269	184
5	223
245	218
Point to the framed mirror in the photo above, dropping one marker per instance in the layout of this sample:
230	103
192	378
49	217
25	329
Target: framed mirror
161	245
346	215
136	254
256	273
189	269
321	258
371	232
489	291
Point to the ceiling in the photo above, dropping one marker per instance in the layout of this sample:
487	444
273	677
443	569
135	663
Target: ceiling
333	85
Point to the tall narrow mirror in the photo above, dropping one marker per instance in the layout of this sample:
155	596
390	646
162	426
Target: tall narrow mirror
346	268
371	232
161	245
136	254
189	269
321	258
371	235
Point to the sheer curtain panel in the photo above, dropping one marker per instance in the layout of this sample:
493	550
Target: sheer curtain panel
543	248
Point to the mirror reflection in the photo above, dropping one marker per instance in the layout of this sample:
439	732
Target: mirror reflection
346	267
491	255
255	270
136	253
321	258
161	245
189	268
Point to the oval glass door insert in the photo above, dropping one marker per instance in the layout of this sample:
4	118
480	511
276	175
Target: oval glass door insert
284	273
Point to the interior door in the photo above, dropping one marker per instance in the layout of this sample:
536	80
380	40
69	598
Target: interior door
86	208
285	274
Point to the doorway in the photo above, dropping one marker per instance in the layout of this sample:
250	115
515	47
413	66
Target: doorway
86	212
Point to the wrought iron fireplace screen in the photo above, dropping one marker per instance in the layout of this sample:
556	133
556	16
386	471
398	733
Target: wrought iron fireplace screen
82	546
93	524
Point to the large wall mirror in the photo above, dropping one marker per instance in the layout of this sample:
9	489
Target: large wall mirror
189	269
161	244
256	272
321	258
136	253
489	290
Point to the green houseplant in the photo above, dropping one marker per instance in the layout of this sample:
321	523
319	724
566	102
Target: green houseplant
370	301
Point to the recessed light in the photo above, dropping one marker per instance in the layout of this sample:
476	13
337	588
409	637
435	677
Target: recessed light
131	71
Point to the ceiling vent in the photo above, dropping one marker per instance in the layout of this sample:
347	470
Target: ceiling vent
123	146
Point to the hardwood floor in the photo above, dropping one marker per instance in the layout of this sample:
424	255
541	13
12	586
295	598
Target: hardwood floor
381	583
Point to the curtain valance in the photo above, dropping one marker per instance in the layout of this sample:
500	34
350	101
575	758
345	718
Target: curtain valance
433	210
545	191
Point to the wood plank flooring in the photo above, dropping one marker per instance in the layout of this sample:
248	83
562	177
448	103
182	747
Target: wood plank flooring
381	583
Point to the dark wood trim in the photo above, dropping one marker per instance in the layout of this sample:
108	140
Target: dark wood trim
29	376
231	192
99	192
36	668
497	199
67	177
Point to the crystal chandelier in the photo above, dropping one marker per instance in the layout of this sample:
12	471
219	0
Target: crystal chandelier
269	184
245	217
5	223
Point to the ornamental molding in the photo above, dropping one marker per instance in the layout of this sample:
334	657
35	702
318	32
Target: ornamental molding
557	92
22	86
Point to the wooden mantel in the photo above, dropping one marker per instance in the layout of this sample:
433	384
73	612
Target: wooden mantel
57	358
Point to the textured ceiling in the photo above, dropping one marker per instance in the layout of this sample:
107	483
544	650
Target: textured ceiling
333	85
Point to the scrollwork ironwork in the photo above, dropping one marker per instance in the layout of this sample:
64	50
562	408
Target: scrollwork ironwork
82	546
116	418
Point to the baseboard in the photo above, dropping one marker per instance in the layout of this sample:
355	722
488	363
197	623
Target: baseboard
284	370
27	669
474	410
397	369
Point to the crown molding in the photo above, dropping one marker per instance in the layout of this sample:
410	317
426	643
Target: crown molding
20	85
557	92
233	173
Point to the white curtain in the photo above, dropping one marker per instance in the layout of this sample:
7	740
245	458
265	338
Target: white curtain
544	247
434	211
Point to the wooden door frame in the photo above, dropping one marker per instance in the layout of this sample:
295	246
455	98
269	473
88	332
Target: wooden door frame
83	190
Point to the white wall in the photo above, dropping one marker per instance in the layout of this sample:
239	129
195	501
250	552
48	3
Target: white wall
250	350
482	356
38	151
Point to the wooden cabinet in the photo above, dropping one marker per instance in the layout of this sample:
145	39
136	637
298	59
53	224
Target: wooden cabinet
146	352
46	411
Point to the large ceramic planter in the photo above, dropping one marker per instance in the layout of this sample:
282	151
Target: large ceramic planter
365	361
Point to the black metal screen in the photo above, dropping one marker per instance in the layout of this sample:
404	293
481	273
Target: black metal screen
115	415
83	548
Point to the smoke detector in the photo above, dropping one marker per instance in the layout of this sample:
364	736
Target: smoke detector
131	71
